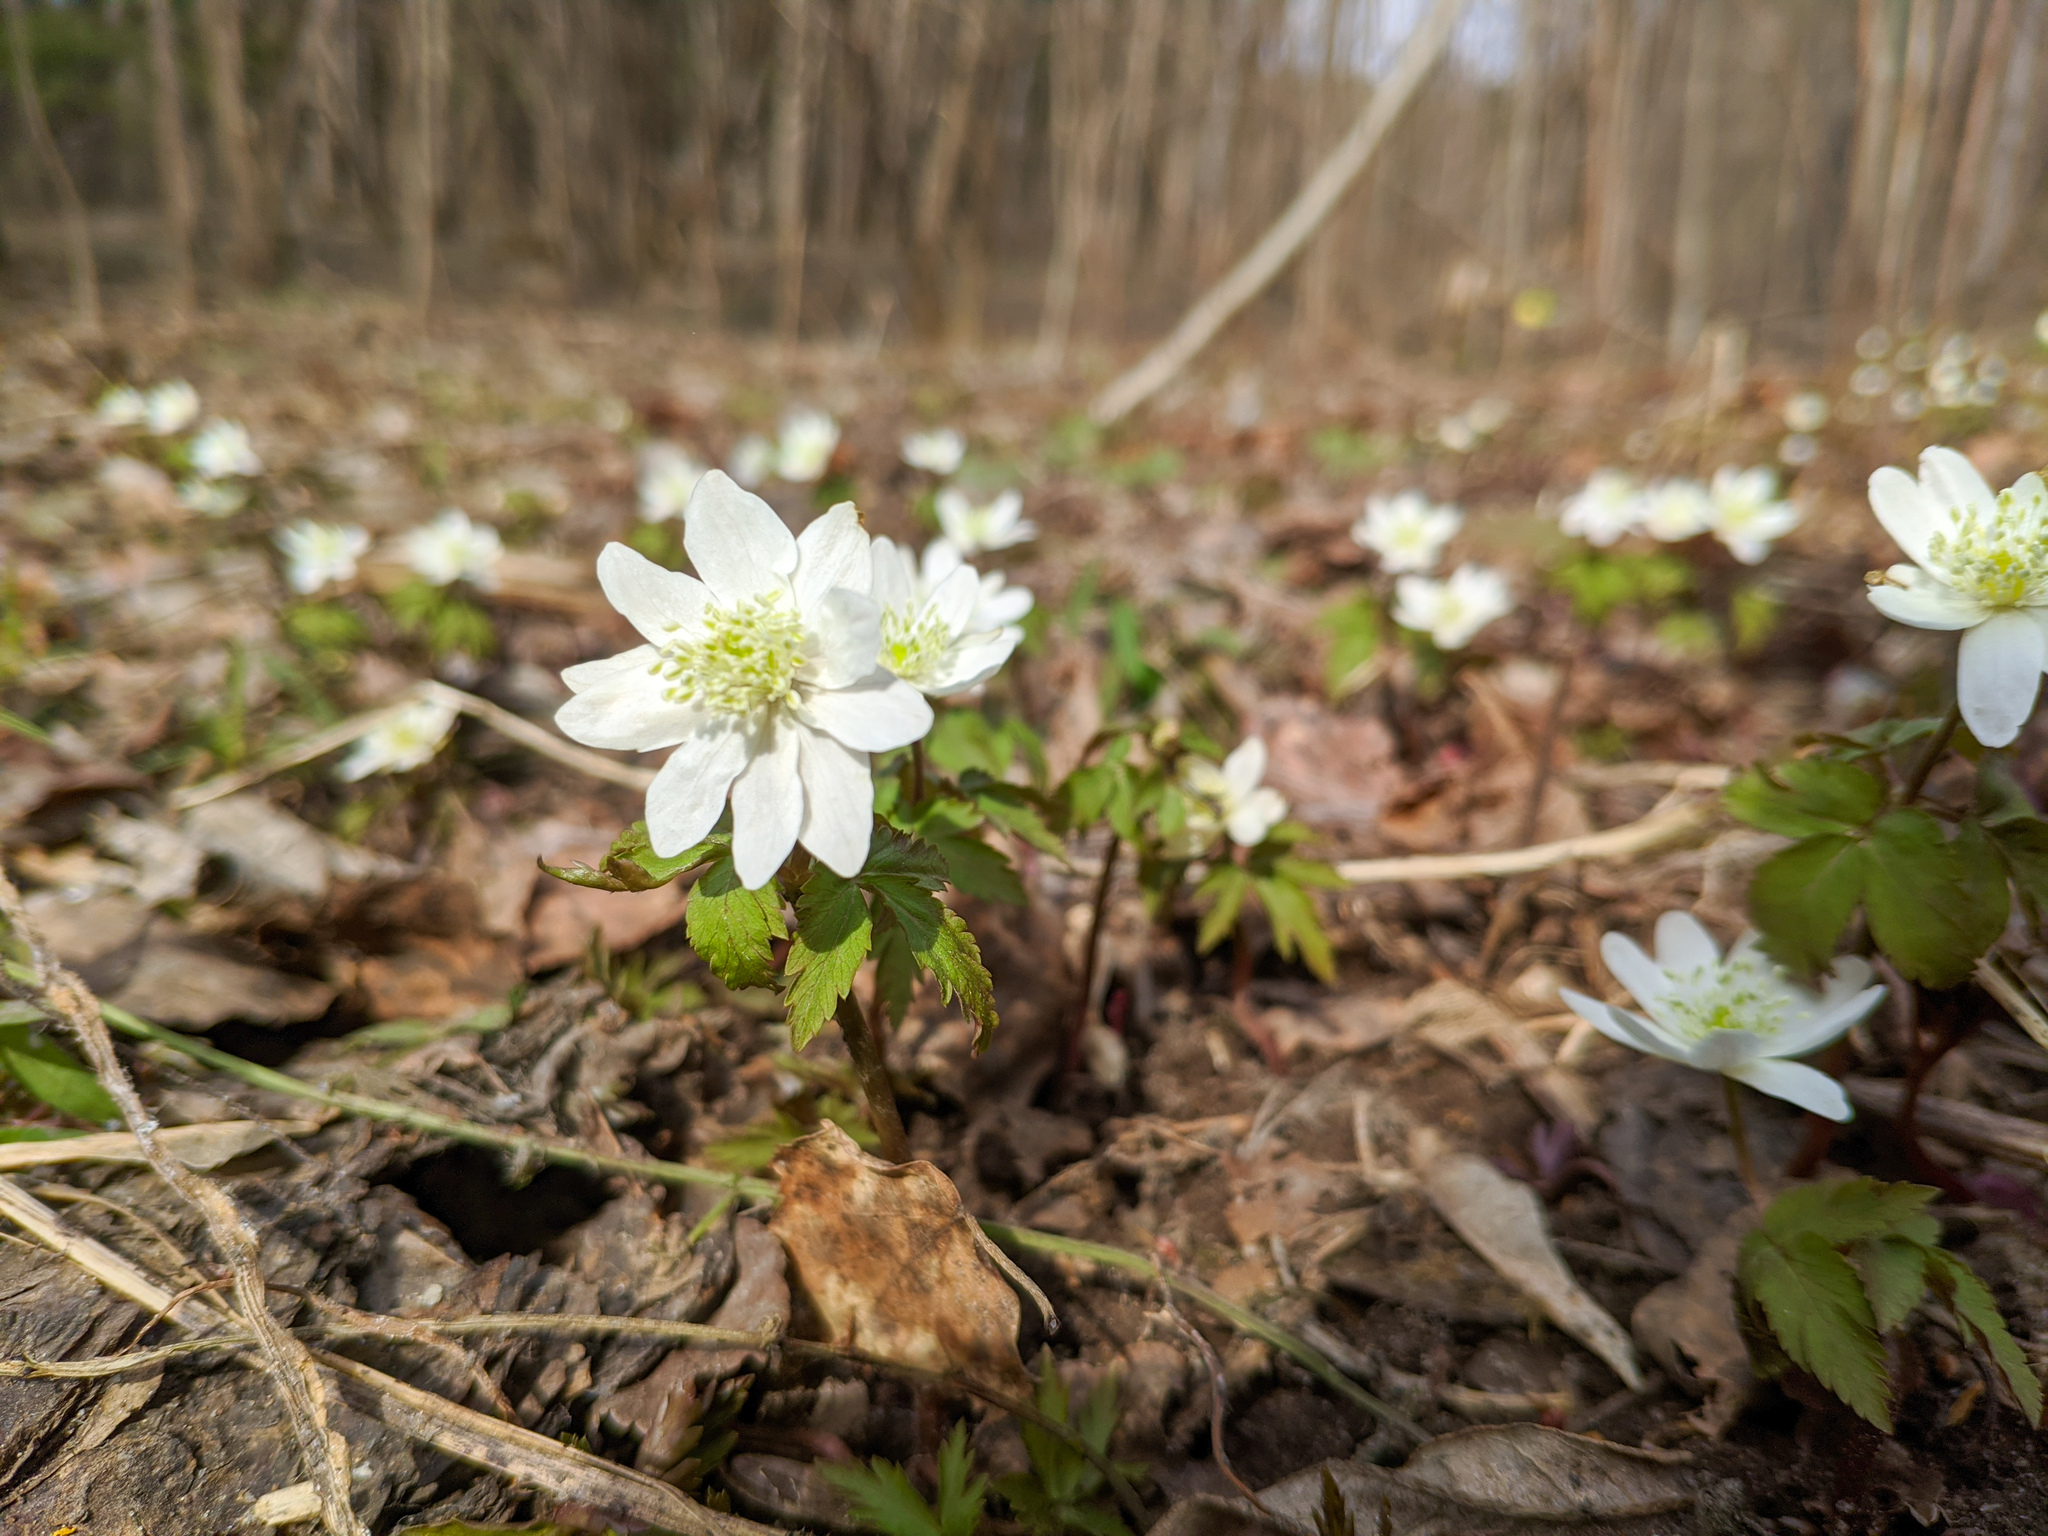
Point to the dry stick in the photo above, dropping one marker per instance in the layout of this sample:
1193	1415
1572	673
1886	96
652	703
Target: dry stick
872	1068
1279	245
1661	827
1219	1391
287	1363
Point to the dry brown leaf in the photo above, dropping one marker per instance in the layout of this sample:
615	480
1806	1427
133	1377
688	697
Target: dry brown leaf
1692	1320
1503	1222
197	989
196	1146
891	1263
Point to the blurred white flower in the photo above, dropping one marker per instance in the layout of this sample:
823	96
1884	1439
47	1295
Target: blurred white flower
452	548
1231	799
1407	531
1455	609
1676	510
997	524
1740	1016
1806	411
170	408
1749	515
1908	404
804	450
1001	606
1873	344
1870	381
318	553
1980	565
1609	506
210	498
122	406
1457	434
753	460
222	449
668	474
929	633
406	741
1798	449
1488	414
937	452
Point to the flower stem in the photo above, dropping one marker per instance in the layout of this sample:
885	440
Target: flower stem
1744	1163
1936	745
873	1071
917	773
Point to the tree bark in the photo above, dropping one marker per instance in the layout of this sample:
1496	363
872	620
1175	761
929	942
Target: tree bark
1966	200
173	165
1525	124
1692	243
85	275
1877	74
1302	218
1121	212
1615	234
788	163
1916	91
1083	115
2001	189
939	173
422	73
220	30
1316	278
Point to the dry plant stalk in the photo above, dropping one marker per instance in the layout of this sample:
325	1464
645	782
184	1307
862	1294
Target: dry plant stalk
287	1362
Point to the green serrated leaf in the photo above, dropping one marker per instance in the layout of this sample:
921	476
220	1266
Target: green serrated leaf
978	869
1802	897
895	969
833	933
1934	905
882	1497
1297	926
1018	811
52	1075
955	959
1971	1301
1894	1271
1815	1304
1845	1210
1805	797
1086	794
734	929
1224	888
631	864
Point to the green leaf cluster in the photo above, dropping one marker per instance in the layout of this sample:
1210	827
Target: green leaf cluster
1834	1267
884	1499
1343	452
46	1071
1936	892
1064	1490
1599	582
446	620
1280	883
1354	627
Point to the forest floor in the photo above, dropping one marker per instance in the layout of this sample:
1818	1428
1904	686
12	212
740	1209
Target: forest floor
391	939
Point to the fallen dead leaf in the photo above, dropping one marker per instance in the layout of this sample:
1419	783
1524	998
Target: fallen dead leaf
1691	1320
196	1146
194	988
891	1263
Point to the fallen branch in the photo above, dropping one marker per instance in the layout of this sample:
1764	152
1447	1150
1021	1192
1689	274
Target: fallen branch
1658	829
1953	1121
285	1359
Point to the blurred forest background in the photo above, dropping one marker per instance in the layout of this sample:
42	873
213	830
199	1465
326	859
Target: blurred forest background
1574	173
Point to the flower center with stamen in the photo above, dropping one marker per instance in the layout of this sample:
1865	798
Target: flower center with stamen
738	660
2002	561
914	642
1729	994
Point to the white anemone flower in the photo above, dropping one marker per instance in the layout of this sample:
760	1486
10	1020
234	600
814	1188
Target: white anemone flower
1001	605
210	498
452	548
1609	506
1740	1016
930	635
992	525
122	406
318	553
1455	609
1806	411
1676	510
1406	531
1231	799
407	740
1980	565
804	450
222	449
1749	515
668	474
170	408
752	461
761	675
937	452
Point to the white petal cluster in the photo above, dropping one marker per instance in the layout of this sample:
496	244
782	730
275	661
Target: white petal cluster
318	553
938	452
170	408
668	474
222	449
1980	565
1749	515
943	629
1676	510
1407	531
401	743
1231	800
452	548
975	528
1741	508
1740	1016
122	406
1453	610
1608	507
752	461
210	498
804	449
760	672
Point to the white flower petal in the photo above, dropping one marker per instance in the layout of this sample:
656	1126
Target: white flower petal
893	575
1683	944
1244	768
1907	512
588	674
1621	1026
941	558
655	600
1916	598
1998	672
1635	970
1826	1024
735	540
1795	1084
767	806
1258	813
971	662
1722	1050
626	711
954	600
878	714
839	802
831	552
687	794
848	630
1954	484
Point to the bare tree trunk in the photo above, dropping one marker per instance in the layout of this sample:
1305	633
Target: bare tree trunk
173	167
1692	243
1119	239
422	74
538	75
1877	74
2001	182
786	174
1525	127
1219	125
1083	115
1916	91
1965	201
939	173
1614	253
709	123
220	30
85	276
1316	279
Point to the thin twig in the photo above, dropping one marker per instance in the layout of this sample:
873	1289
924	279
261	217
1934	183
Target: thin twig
1931	754
1656	830
286	1360
1219	1390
